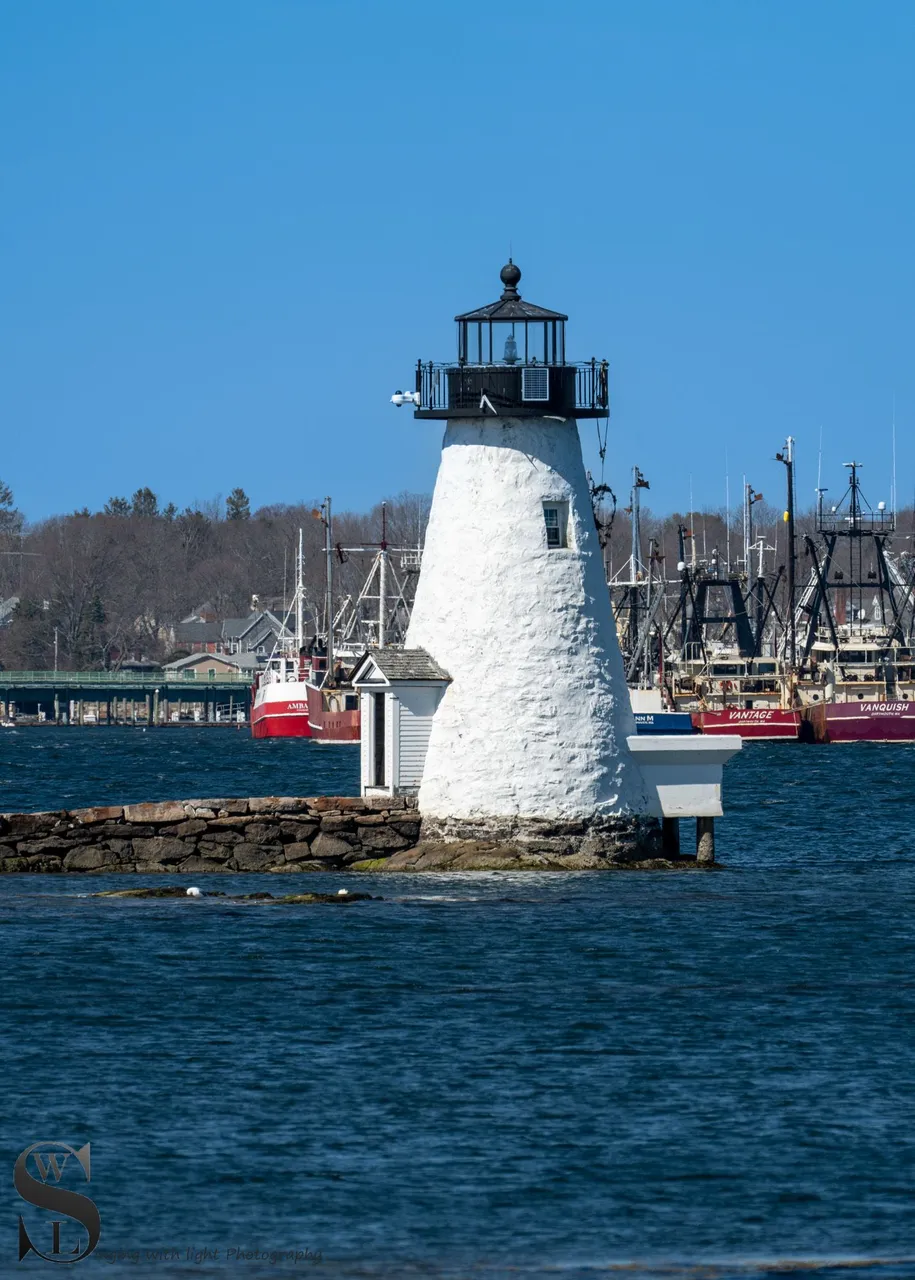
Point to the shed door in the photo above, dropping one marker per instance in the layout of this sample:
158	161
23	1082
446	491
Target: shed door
378	728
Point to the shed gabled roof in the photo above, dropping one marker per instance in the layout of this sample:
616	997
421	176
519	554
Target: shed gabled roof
400	664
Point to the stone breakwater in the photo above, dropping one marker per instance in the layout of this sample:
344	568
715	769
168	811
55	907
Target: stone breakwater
318	833
271	833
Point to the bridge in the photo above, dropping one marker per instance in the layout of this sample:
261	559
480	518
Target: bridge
126	697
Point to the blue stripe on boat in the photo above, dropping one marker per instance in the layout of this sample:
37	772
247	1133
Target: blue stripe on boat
663	722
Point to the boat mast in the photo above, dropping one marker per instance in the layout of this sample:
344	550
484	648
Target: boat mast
382	574
329	600
299	600
636	568
787	457
638	482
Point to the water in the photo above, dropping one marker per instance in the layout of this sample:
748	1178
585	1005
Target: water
68	768
487	1075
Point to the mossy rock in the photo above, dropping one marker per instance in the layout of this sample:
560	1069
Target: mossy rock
341	898
167	891
368	864
172	891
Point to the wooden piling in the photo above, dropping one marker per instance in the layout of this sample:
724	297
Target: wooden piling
670	836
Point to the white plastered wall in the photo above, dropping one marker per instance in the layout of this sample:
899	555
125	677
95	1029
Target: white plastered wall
534	723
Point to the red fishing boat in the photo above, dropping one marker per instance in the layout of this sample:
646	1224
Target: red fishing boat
765	723
864	721
279	699
279	707
333	714
304	691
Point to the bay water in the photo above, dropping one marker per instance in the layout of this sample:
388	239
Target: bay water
635	1074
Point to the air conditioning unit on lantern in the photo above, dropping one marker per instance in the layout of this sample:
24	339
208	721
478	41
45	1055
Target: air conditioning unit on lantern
535	383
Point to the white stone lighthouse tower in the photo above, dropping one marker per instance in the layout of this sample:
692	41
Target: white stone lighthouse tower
529	740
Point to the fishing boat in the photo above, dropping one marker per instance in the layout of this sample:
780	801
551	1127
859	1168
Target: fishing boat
864	721
302	693
304	690
768	724
279	703
743	651
710	658
857	660
653	717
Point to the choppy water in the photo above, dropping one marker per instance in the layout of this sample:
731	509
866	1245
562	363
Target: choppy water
487	1075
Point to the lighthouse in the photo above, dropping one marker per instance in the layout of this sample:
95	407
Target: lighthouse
527	743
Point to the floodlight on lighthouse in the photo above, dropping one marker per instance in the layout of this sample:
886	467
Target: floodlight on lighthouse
405	397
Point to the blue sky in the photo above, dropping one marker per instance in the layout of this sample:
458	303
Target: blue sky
230	228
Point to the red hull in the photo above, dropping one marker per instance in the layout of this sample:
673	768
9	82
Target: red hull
330	725
281	719
863	721
759	723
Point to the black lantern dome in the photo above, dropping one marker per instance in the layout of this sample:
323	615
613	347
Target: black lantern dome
511	362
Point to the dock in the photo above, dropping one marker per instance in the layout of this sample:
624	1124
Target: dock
156	698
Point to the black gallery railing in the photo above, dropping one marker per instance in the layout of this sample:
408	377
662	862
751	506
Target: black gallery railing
473	389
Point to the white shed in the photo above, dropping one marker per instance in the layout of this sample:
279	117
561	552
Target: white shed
399	692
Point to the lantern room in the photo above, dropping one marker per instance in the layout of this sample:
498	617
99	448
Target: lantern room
511	331
511	362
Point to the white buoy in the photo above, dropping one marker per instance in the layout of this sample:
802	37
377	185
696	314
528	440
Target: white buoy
342	892
194	892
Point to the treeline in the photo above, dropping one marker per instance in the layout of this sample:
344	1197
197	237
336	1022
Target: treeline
111	585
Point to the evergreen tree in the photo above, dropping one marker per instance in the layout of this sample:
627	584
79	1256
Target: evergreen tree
238	505
10	519
117	507
145	503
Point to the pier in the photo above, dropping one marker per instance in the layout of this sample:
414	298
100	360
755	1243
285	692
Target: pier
148	698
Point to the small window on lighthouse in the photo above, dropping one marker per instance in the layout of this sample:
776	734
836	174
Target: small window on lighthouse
556	519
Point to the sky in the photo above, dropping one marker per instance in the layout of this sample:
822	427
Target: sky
229	228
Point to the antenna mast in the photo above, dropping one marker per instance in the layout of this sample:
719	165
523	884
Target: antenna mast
787	457
299	599
382	574
329	602
893	493
727	508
